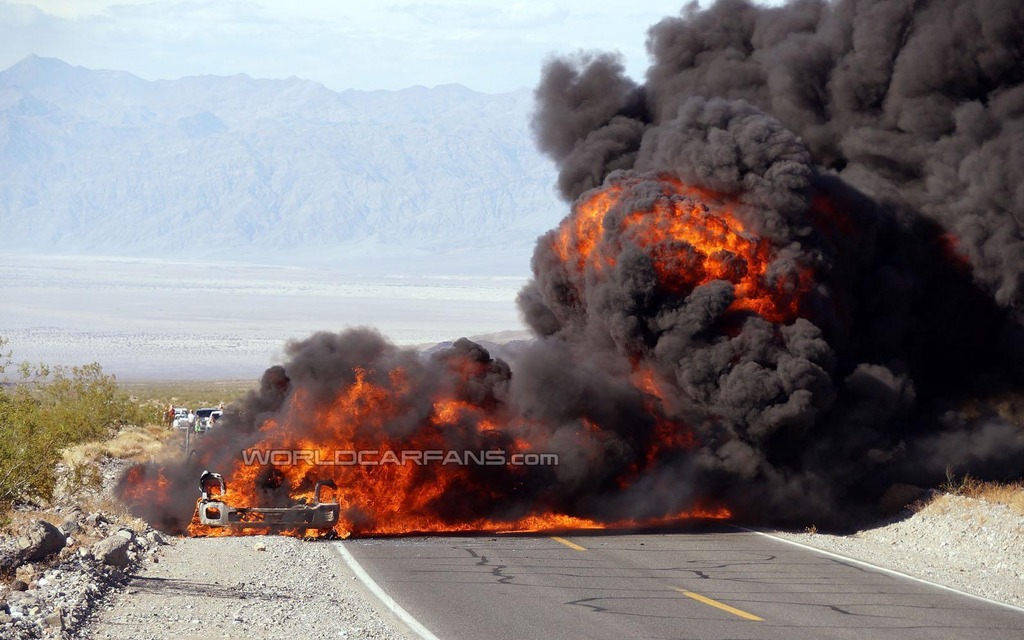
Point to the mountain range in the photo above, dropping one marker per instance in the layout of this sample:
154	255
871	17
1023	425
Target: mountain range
97	162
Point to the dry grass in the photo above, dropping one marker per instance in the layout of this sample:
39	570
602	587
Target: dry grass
940	504
137	444
112	507
1008	493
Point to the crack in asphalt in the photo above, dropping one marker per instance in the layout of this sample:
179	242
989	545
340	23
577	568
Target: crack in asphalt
584	602
498	571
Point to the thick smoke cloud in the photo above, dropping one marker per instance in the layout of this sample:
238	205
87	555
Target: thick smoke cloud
876	143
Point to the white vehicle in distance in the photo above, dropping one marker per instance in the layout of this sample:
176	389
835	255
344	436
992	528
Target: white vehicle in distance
205	418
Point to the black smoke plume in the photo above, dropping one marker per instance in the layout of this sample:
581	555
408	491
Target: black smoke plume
906	118
871	152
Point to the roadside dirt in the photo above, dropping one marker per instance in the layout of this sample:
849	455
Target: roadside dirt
250	588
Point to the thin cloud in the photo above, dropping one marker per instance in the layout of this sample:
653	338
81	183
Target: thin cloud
487	46
511	17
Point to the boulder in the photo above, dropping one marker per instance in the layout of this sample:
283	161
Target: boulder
112	551
40	540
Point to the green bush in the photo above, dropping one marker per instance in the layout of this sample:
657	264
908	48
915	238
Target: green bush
46	409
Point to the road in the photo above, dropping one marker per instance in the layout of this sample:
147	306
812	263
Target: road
707	582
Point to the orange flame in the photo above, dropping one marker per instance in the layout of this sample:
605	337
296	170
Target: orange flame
392	499
692	236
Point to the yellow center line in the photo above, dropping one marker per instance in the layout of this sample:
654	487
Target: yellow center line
719	605
568	543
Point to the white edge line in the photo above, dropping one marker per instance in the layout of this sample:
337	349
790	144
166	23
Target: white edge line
382	595
891	572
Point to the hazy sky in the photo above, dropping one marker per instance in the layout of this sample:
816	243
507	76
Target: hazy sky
487	45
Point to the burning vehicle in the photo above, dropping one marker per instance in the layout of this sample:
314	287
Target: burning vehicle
212	511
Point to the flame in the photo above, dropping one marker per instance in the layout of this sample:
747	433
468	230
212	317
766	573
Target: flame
394	498
138	485
692	237
951	249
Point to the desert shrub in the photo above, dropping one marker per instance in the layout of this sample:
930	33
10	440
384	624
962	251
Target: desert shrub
46	409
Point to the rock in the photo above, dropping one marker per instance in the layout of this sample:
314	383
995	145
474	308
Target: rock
260	546
9	560
26	572
112	551
96	519
19	585
72	522
41	539
155	538
54	621
127	534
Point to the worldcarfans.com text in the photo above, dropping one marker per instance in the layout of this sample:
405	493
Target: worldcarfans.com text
374	457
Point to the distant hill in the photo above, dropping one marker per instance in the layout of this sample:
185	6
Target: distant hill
103	162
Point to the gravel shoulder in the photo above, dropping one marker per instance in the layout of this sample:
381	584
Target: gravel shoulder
968	544
251	588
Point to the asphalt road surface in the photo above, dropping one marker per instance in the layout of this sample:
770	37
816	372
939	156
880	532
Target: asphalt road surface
707	582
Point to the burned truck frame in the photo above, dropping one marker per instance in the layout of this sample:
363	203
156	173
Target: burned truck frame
215	512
